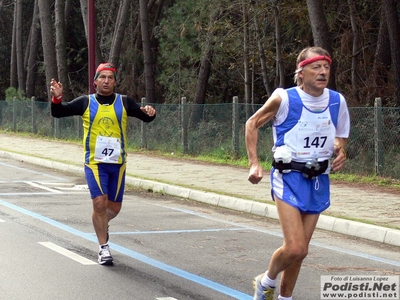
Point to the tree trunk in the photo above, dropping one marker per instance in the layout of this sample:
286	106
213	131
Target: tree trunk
205	65
156	21
261	51
19	47
50	63
147	53
355	51
61	48
84	10
246	65
33	46
279	62
13	62
119	32
204	74
378	78
136	32
136	42
321	34
393	24
67	12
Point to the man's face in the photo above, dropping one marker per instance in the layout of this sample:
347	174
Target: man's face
105	83
316	74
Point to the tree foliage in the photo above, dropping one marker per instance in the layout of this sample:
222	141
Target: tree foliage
207	51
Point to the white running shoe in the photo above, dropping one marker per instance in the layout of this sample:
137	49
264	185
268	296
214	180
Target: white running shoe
105	257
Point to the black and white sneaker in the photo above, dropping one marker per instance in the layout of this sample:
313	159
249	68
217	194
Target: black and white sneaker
105	257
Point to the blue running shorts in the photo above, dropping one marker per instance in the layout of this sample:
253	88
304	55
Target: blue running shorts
311	196
106	179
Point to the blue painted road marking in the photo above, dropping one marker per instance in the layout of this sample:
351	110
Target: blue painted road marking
145	259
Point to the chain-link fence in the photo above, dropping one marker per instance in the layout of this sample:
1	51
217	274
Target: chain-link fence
218	129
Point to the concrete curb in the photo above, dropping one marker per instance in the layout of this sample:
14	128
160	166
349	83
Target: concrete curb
348	227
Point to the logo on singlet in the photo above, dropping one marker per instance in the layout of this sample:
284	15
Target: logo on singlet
105	125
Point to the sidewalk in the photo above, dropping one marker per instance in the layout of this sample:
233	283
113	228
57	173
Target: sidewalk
374	212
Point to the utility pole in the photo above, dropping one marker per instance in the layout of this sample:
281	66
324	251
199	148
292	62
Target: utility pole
91	43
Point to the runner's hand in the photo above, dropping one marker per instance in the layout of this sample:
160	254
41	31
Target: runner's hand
255	174
148	110
340	159
56	88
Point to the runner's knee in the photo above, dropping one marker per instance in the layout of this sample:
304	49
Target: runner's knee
100	204
296	252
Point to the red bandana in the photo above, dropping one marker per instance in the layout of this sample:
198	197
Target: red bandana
314	59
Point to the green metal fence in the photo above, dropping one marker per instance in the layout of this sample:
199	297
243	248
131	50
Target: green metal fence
219	129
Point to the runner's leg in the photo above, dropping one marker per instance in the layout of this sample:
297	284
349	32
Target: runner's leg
290	274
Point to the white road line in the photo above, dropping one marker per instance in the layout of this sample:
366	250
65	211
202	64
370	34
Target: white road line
43	187
67	253
166	298
42	193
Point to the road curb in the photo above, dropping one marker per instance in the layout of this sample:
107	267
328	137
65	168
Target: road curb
356	229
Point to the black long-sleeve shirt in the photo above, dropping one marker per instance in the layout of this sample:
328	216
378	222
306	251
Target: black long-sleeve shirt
79	105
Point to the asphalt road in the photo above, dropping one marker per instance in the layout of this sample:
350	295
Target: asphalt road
163	247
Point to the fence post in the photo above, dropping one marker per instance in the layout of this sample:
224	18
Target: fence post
56	127
185	118
235	126
33	114
79	127
379	159
14	102
143	137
